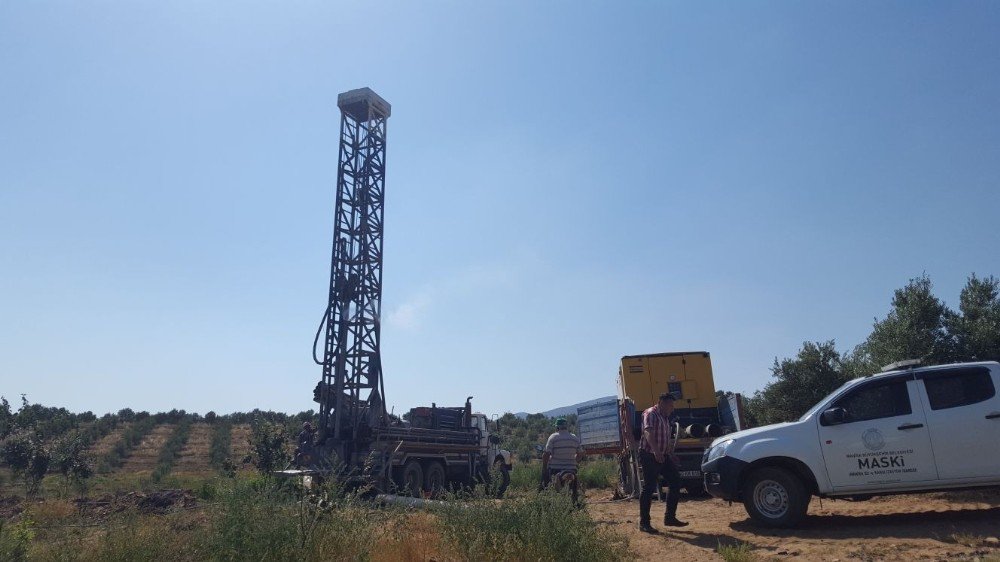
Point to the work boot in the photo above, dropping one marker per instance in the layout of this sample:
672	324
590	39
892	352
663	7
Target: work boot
673	521
647	528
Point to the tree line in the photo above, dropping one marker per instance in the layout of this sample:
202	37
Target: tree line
919	325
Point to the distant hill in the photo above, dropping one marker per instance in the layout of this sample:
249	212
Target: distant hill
565	410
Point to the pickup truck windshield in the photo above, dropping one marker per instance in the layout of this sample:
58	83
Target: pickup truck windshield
827	398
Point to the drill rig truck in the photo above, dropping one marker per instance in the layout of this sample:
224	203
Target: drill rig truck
433	447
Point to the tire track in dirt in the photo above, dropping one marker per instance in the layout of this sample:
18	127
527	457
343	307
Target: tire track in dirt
144	457
194	456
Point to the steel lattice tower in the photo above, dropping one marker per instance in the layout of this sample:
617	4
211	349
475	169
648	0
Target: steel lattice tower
351	393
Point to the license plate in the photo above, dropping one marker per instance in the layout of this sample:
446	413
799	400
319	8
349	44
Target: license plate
690	474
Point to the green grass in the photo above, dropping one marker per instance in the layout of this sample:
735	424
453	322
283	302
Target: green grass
598	473
536	526
255	517
737	552
264	519
593	474
15	539
525	476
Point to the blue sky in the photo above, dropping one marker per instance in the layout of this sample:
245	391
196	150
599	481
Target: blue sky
567	183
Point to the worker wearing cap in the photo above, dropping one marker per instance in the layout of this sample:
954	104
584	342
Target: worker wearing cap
561	453
657	460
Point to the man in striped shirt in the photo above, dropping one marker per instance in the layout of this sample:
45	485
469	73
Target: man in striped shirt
562	451
657	460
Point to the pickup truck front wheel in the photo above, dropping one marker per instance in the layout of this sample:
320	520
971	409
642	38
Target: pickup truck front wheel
775	497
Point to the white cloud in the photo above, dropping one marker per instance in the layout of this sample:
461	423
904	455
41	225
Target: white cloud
407	316
477	278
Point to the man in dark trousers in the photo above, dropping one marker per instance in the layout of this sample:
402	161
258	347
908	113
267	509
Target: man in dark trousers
657	460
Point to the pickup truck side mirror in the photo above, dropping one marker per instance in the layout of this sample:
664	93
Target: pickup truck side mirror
833	416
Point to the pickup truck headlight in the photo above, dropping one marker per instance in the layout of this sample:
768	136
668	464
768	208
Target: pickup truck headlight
718	450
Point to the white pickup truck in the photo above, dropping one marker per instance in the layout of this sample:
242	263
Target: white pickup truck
908	429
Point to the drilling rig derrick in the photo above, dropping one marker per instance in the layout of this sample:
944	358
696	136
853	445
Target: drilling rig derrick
351	393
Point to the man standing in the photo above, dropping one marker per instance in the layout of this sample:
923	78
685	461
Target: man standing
656	461
306	438
562	451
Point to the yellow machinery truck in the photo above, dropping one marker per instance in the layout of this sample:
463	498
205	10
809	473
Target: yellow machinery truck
615	426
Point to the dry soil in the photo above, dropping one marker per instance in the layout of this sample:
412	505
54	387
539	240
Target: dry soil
194	456
958	525
144	457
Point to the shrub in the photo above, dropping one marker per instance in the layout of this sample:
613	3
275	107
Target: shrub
15	539
27	458
253	521
268	445
542	526
526	476
598	473
6	418
267	519
68	460
44	421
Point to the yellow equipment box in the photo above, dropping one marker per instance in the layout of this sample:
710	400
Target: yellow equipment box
687	375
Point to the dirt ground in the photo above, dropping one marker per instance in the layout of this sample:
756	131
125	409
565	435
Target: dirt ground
194	455
145	456
106	443
159	502
959	525
239	441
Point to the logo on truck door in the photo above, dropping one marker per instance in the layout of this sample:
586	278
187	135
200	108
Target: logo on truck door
873	439
878	463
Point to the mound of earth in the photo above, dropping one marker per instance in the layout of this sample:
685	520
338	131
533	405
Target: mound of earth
158	502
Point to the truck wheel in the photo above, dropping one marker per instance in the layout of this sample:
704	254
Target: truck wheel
775	497
504	475
628	486
435	479
413	478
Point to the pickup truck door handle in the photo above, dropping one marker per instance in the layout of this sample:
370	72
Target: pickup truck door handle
910	426
993	416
